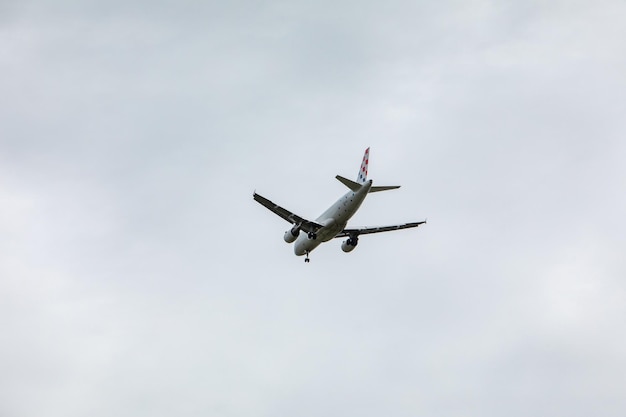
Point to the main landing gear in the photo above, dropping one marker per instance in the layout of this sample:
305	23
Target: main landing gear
312	235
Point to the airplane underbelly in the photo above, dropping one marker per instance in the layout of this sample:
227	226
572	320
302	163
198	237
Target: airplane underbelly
331	228
332	231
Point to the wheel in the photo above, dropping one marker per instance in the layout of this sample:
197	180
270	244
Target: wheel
306	260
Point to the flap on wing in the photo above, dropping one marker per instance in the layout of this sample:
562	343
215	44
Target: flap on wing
306	225
369	230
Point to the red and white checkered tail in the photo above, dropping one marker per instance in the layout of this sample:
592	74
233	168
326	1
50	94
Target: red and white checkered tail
363	171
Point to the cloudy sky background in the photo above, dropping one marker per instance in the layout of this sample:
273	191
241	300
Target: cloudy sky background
139	278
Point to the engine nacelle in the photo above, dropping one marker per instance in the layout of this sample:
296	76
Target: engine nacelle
349	245
292	234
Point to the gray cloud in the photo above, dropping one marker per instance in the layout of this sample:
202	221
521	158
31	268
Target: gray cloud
138	277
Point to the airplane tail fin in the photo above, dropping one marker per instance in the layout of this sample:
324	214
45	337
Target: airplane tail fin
363	170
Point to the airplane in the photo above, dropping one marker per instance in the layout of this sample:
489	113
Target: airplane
332	223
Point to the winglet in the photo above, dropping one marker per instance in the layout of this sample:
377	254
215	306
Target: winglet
363	170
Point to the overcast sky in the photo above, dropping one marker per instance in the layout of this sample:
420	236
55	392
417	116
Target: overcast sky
139	278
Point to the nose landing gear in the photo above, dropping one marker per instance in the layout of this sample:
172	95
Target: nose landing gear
307	260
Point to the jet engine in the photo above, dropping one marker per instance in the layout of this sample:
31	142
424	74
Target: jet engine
349	245
292	234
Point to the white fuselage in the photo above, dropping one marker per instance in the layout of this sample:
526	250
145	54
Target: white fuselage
333	220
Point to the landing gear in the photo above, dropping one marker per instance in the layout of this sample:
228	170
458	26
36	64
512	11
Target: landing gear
312	235
307	260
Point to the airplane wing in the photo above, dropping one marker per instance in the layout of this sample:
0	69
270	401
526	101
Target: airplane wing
368	230
306	225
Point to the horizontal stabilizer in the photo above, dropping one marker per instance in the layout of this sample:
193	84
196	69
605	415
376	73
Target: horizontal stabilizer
383	188
354	186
